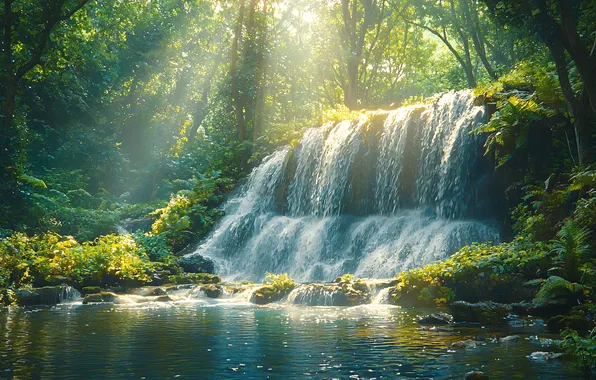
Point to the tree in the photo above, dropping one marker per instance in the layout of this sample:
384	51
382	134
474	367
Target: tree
27	30
555	23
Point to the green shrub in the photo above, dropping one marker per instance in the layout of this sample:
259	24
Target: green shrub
37	260
571	248
281	283
557	287
476	272
582	350
191	214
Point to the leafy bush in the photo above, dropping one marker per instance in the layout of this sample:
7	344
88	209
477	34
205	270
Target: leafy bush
557	287
509	127
571	248
191	214
48	258
281	282
582	350
476	272
540	215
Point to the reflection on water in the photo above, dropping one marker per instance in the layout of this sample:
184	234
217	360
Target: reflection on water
229	341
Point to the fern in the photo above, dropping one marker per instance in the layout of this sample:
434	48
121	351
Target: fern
570	247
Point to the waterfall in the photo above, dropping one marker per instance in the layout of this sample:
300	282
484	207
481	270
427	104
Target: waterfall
382	297
374	196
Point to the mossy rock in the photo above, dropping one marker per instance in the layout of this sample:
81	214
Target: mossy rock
196	264
194	278
486	313
103	297
46	295
267	294
212	290
90	290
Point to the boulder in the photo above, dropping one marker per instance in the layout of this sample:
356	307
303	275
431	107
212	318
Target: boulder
163	298
47	295
196	264
103	297
486	313
26	297
436	319
476	375
509	339
267	294
468	343
546	356
90	290
212	290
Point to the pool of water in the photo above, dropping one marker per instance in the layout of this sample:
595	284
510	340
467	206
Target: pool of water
223	340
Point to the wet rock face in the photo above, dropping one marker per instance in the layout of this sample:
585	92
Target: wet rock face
197	264
436	319
104	297
47	295
212	290
486	313
267	294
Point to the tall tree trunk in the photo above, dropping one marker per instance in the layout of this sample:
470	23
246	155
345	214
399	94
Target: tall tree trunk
576	108
236	100
585	63
351	90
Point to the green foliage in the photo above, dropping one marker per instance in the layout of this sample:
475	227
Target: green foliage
583	177
540	215
191	214
157	247
557	287
582	350
585	212
281	283
535	77
571	248
509	127
45	258
476	272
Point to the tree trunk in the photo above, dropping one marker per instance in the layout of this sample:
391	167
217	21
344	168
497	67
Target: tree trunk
575	107
351	91
578	52
236	101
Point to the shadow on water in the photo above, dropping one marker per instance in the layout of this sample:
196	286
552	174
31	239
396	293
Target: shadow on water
227	341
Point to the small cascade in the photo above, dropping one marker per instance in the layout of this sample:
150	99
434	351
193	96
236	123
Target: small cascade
70	294
382	297
317	295
373	197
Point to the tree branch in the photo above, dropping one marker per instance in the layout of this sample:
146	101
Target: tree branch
54	17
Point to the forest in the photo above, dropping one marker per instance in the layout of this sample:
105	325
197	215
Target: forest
128	129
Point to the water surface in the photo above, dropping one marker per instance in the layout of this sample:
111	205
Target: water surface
220	340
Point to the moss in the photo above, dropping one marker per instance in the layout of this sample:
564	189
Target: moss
194	278
90	290
267	294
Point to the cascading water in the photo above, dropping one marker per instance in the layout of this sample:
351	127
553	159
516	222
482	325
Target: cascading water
367	197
